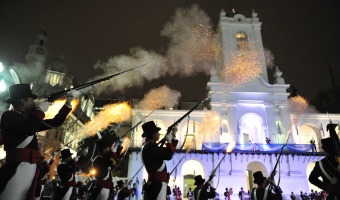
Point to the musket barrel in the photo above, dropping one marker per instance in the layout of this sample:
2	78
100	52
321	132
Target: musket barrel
57	95
190	111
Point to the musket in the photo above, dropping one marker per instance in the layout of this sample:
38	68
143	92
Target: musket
57	95
136	173
179	161
161	142
272	174
131	129
212	174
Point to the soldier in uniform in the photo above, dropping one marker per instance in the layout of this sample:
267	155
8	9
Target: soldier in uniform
153	157
44	168
261	192
19	127
103	163
66	171
327	168
201	191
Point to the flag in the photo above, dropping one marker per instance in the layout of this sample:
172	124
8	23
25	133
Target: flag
297	131
279	131
321	130
221	127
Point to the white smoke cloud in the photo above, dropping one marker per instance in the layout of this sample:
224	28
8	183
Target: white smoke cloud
160	97
29	72
192	50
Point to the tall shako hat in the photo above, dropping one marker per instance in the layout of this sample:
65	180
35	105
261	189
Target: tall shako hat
19	91
258	177
65	153
199	180
149	128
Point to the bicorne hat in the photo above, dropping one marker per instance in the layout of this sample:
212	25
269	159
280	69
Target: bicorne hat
199	180
258	177
65	153
149	128
19	91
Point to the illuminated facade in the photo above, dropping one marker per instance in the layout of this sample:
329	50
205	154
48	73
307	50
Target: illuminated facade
249	114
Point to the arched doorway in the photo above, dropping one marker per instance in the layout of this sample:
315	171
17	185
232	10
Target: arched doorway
189	172
309	132
251	127
254	167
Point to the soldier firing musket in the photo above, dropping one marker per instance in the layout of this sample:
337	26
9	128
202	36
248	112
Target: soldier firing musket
54	96
270	180
201	191
274	191
170	128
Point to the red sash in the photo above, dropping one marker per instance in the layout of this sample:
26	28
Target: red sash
23	155
159	177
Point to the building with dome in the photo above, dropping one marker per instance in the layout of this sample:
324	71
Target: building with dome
251	115
48	74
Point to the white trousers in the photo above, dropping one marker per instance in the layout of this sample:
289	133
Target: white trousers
19	185
162	193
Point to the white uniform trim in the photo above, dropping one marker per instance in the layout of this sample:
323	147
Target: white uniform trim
19	185
26	141
198	194
328	176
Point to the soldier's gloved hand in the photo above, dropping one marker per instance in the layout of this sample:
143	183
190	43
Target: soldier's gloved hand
168	137
43	105
174	131
76	159
114	149
49	159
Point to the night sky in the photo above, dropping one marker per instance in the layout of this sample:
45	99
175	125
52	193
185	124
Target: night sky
303	36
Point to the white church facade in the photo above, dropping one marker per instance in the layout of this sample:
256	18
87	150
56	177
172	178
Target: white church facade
249	114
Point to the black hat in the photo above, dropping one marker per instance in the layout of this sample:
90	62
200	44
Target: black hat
258	177
199	180
149	128
19	91
120	183
102	144
65	153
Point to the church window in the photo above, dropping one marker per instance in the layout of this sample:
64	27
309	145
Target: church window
54	79
242	41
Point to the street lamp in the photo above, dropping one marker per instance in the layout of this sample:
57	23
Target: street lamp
5	78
